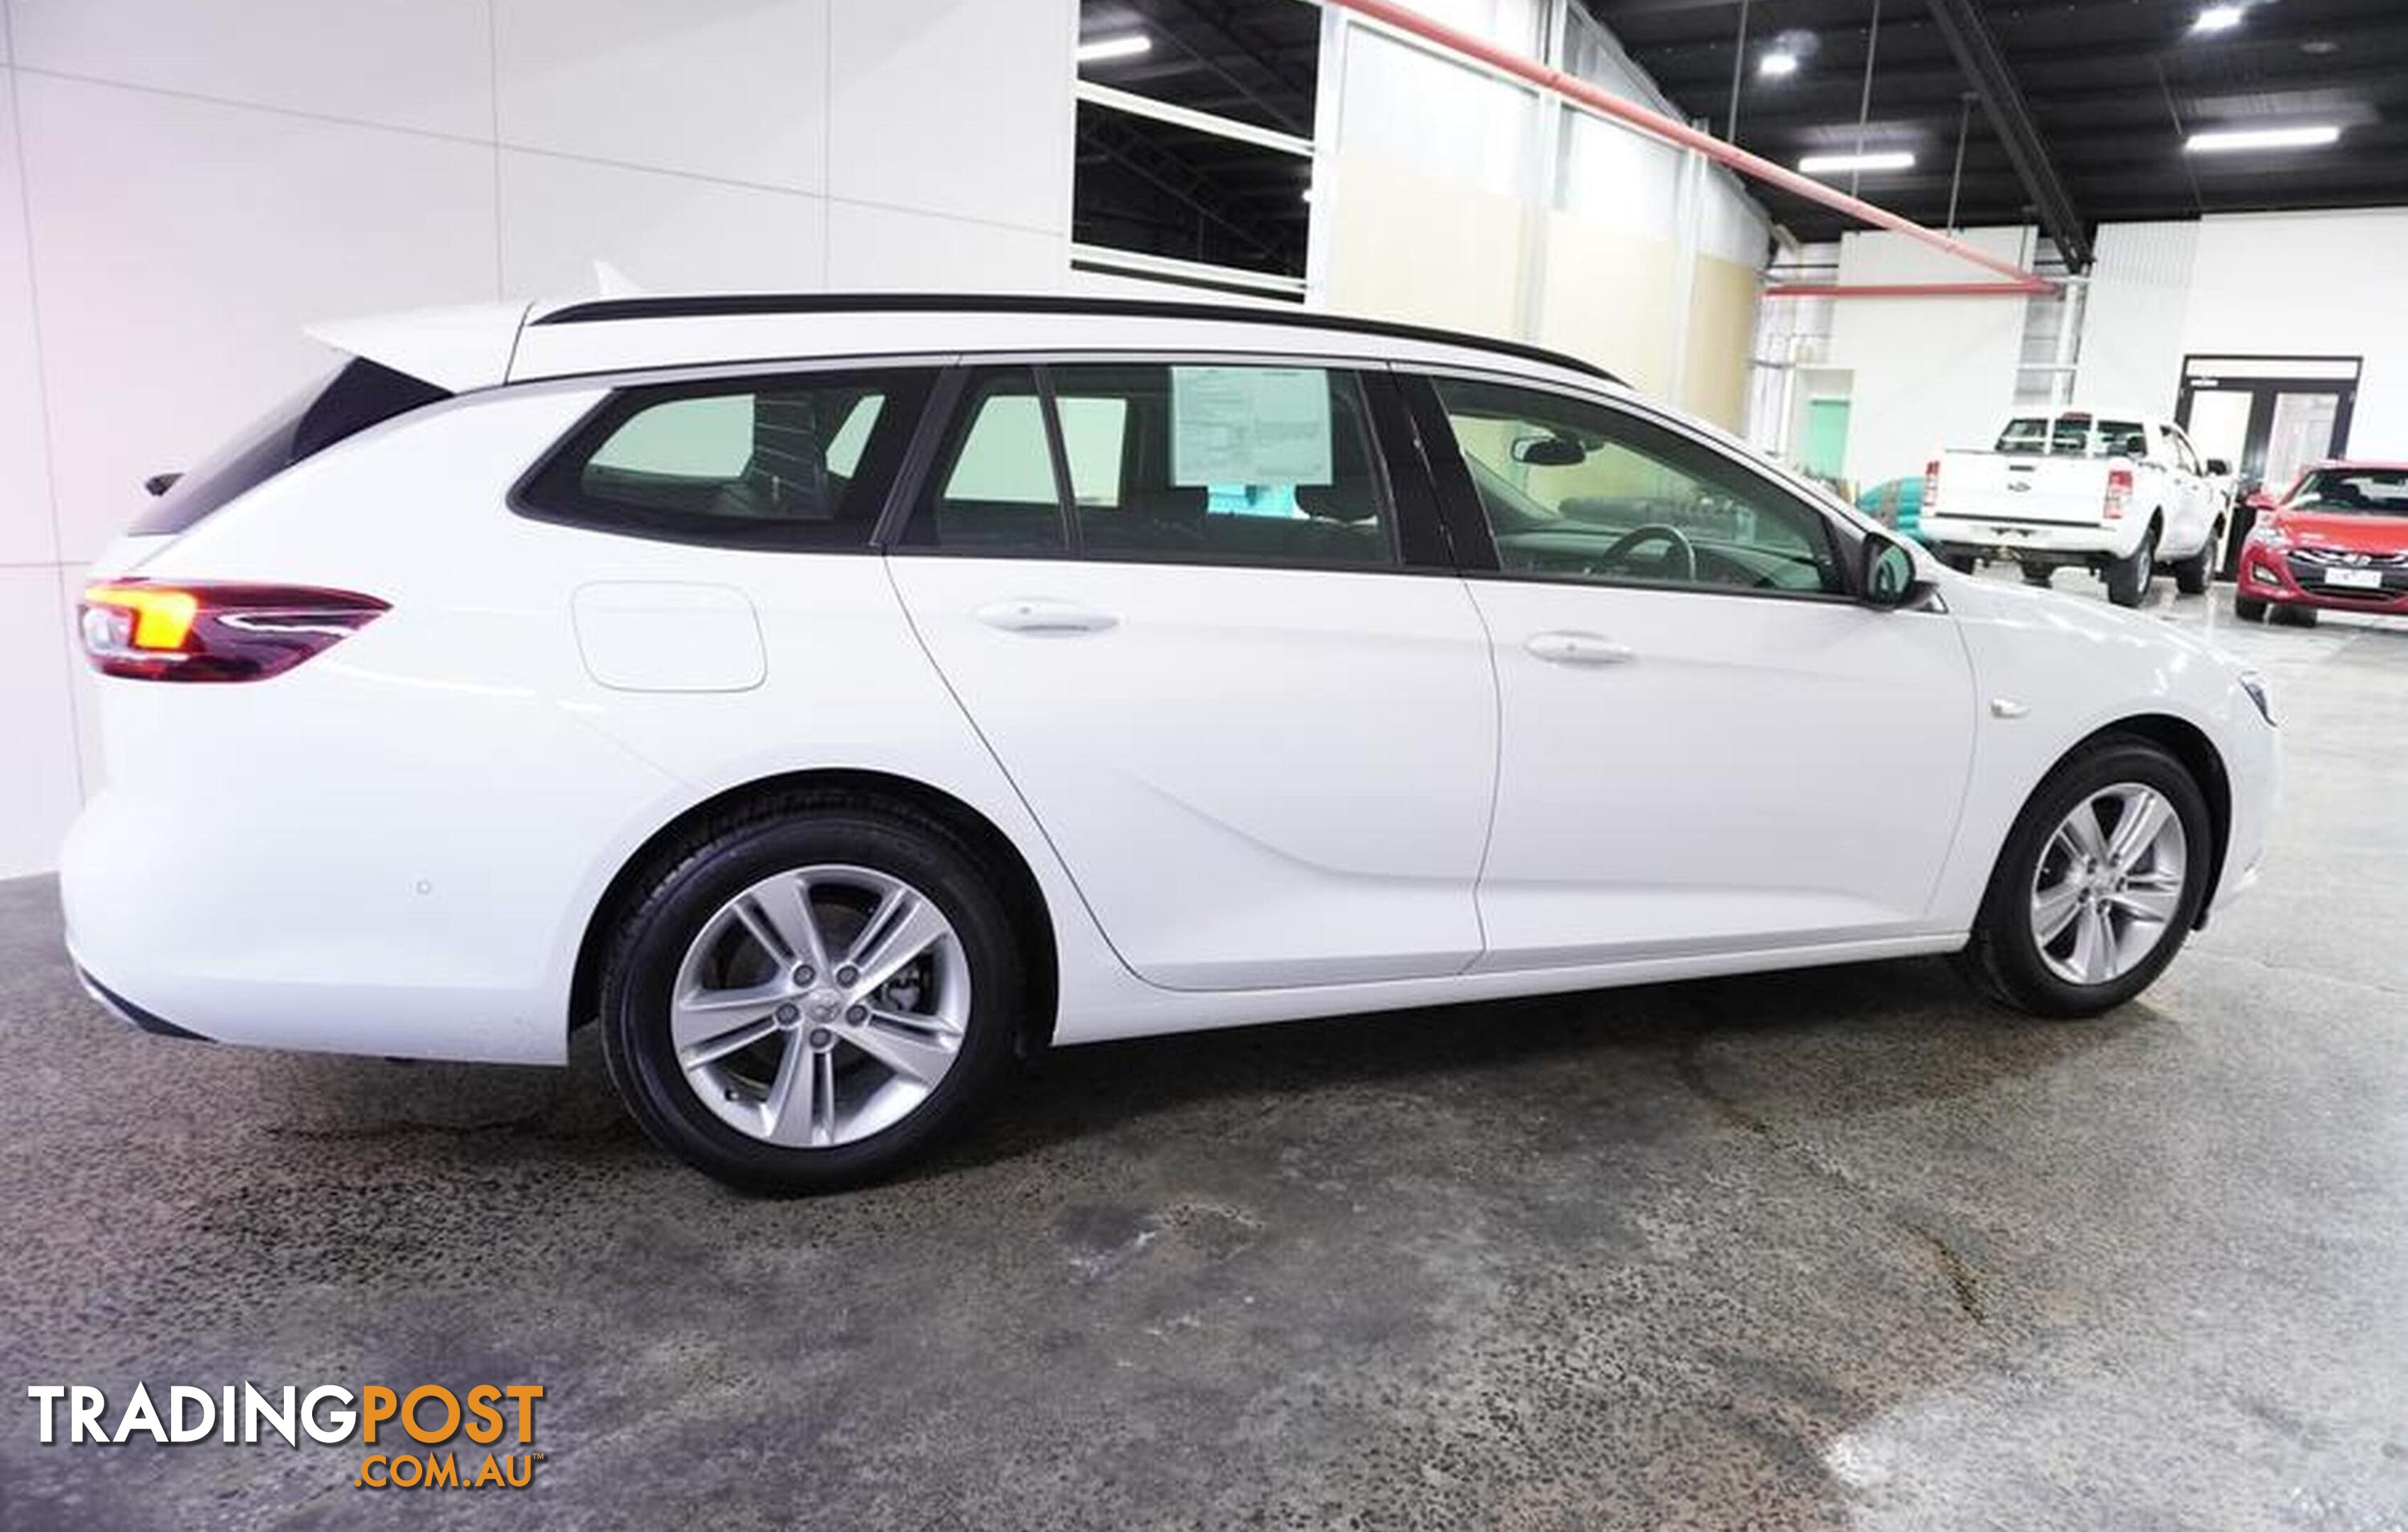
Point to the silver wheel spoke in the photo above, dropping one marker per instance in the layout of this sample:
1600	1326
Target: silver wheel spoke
2054	909
692	1055
791	1111
2144	815
2094	946
911	1053
2081	831
905	926
2148	900
780	920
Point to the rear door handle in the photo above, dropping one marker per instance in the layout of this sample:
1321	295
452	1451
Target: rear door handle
1038	614
1567	648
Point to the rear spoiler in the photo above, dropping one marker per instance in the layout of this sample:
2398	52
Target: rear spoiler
455	349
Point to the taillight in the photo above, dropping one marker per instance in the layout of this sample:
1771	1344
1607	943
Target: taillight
1930	483
2119	493
209	630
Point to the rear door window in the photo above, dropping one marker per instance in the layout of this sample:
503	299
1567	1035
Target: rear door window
354	397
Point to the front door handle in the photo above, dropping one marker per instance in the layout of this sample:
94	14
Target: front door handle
1040	615
1569	648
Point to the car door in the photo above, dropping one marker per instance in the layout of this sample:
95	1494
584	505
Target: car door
1216	642
2196	495
1708	744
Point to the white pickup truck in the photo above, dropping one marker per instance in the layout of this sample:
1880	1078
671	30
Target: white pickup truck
2116	494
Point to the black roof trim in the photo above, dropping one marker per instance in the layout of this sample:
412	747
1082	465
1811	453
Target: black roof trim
725	305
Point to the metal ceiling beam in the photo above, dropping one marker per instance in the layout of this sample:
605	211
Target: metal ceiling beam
2003	101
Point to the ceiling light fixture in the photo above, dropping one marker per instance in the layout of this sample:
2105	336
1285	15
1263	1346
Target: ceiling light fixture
2237	140
1823	164
1127	46
1777	64
2217	18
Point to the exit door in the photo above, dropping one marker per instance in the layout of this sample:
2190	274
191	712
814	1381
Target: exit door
2268	416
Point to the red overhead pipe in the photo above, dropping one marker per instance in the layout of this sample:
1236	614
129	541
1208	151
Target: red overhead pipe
1902	290
1673	131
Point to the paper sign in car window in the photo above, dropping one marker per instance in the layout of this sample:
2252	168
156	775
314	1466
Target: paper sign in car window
1249	426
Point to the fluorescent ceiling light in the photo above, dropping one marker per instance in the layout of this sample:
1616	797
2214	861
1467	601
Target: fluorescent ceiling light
2237	139
2217	18
1126	47
1822	165
1775	64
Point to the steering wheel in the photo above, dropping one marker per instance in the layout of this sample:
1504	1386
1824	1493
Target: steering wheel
1639	536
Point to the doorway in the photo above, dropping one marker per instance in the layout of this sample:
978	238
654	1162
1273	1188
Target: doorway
1826	438
2268	416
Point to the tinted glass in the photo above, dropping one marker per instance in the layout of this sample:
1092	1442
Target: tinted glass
354	397
1220	464
2364	492
798	461
2068	435
992	487
1580	492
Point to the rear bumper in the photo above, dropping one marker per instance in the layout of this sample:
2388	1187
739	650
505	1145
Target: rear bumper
2055	543
2265	575
127	1011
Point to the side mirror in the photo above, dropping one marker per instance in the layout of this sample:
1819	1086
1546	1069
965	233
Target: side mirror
2259	500
1550	452
2219	467
1885	575
160	483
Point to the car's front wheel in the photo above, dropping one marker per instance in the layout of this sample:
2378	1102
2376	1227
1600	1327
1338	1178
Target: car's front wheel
803	999
2248	609
2098	884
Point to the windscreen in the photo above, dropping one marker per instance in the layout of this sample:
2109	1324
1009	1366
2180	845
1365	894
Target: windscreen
2067	436
2362	491
345	402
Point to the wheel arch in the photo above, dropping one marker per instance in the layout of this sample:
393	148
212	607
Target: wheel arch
1033	921
2188	744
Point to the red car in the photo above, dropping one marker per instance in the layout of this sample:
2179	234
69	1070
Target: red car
2338	538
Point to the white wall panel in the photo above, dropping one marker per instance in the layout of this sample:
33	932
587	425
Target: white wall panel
37	749
2132	322
81	682
178	248
2312	285
956	107
412	64
731	89
1930	373
887	248
25	531
664	232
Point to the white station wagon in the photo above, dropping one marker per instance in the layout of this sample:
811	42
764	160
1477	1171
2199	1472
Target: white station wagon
837	695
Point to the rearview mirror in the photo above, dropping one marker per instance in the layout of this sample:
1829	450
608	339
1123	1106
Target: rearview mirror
1886	573
1550	452
2219	467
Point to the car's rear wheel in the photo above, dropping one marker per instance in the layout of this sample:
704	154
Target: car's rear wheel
805	999
2128	579
1964	564
2039	574
2098	884
2247	610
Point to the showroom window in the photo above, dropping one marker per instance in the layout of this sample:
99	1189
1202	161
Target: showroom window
1207	462
1575	490
789	462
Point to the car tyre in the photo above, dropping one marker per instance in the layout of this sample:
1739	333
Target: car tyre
2039	574
2193	575
2298	617
2007	957
702	879
2128	579
1964	564
2247	610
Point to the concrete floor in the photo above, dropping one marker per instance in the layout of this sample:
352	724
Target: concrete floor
1845	1249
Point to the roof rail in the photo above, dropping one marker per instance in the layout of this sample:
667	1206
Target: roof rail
725	305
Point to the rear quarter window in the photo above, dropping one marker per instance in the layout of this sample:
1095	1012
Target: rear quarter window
790	461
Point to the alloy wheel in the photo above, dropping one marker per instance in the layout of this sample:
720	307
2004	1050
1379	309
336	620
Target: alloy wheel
2109	884
820	1006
